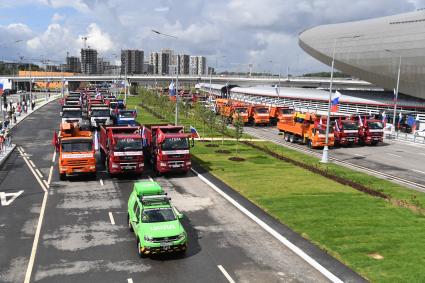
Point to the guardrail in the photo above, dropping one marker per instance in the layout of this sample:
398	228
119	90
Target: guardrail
405	137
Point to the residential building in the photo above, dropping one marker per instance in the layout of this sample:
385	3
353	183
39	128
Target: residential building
132	61
89	61
73	64
202	65
184	65
193	68
153	60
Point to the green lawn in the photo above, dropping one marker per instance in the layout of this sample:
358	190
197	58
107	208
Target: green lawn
346	223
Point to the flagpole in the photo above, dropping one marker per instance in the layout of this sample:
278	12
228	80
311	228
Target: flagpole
396	94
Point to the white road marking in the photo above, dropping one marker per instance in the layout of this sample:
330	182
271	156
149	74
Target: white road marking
111	217
32	163
50	175
228	277
129	280
101	182
392	154
36	238
417	171
356	154
3	197
32	170
39	173
150	178
272	232
46	183
54	156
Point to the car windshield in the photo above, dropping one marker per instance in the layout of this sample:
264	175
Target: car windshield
175	144
128	144
350	126
77	146
375	125
263	111
153	215
100	113
71	114
240	110
127	114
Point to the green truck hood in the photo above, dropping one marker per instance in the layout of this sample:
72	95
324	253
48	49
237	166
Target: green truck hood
162	229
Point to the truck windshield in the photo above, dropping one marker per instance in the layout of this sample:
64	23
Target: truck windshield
350	126
153	215
72	114
323	131
175	144
375	125
100	113
128	144
77	146
263	111
126	114
240	110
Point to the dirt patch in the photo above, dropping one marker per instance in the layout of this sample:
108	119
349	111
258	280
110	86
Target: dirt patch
211	145
223	151
376	256
236	159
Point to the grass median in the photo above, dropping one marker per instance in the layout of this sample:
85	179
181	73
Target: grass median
376	238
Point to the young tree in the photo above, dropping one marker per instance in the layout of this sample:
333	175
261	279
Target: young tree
238	124
223	127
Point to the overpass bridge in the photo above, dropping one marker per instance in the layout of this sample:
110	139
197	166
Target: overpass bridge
303	82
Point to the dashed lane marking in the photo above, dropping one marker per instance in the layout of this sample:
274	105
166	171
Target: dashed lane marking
418	171
54	156
271	231
129	280
32	163
32	170
228	277
111	217
101	182
50	175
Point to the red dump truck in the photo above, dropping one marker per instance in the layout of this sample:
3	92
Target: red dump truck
371	130
121	149
167	147
346	131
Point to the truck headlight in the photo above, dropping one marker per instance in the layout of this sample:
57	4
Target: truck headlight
182	236
148	238
114	165
188	163
163	164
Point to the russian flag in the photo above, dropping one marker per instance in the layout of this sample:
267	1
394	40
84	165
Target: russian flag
335	102
1	88
194	133
172	89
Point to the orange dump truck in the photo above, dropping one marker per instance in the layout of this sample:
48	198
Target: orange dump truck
76	151
233	110
276	113
258	115
307	128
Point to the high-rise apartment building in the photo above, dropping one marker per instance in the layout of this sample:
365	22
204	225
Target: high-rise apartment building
202	65
89	61
73	64
153	60
132	61
184	65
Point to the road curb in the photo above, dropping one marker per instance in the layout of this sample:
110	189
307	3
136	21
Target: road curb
4	159
334	266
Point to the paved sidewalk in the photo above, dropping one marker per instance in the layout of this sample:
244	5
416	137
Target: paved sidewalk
7	150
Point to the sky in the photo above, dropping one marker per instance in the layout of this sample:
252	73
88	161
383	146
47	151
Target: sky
231	33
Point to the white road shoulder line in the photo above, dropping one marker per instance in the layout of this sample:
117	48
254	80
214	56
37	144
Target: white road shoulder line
417	171
111	217
46	183
150	178
272	232
32	163
392	154
129	280
228	277
54	156
101	182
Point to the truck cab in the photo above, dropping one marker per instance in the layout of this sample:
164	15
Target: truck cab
276	113
259	115
72	114
76	151
99	114
125	118
121	149
346	132
168	148
155	221
371	130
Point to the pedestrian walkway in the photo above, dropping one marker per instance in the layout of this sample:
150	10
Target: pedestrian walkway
6	150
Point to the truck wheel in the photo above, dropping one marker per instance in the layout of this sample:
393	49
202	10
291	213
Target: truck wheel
130	227
285	136
62	176
139	252
292	138
309	144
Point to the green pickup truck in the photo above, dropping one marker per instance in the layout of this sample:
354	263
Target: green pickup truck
154	221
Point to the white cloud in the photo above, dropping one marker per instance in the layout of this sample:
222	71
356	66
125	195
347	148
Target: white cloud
98	39
57	17
162	9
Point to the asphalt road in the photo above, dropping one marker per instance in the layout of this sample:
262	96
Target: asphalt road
404	160
84	235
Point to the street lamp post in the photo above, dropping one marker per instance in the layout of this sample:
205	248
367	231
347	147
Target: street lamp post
177	78
396	90
325	154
